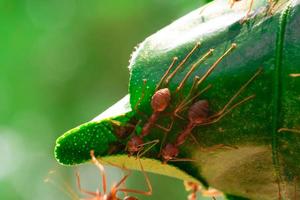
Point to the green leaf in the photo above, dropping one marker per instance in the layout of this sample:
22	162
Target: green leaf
256	161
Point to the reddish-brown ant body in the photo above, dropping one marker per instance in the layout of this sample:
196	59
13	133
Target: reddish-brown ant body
112	194
160	102
162	97
198	114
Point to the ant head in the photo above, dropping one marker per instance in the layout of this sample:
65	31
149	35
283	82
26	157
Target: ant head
199	112
161	99
134	144
169	152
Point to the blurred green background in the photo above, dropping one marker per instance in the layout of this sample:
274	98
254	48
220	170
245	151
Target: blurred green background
62	62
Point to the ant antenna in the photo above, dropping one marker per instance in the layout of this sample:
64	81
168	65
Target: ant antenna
241	89
151	143
289	130
202	59
65	187
295	75
182	63
166	73
233	46
149	186
250	8
225	110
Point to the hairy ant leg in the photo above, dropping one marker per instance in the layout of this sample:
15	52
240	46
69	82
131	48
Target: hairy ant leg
232	2
63	187
226	109
194	66
197	81
198	114
182	63
112	193
295	75
289	130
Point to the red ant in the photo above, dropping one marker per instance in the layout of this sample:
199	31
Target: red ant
198	114
112	194
162	97
160	102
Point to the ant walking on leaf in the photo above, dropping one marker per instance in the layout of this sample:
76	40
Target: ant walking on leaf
112	193
160	101
198	115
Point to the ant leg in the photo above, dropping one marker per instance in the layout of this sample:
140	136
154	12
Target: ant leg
118	123
295	75
145	150
182	160
166	129
201	60
83	190
239	92
213	66
101	169
232	2
63	187
166	73
218	116
162	145
218	146
183	105
289	130
249	9
149	186
182	63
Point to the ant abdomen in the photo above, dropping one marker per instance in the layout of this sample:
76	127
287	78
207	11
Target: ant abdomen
161	100
198	112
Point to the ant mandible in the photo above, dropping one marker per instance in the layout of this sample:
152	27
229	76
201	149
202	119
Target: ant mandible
198	114
159	102
112	194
